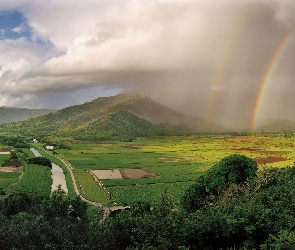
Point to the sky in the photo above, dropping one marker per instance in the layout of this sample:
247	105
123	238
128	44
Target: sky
229	61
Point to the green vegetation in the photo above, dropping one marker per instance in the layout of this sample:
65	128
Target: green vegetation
13	155
57	161
6	178
232	169
4	158
256	214
213	195
130	195
40	161
14	141
89	188
43	161
36	179
175	160
121	117
43	222
18	114
121	125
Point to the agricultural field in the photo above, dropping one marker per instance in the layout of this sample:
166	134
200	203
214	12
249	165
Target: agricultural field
36	179
8	175
7	178
169	164
3	158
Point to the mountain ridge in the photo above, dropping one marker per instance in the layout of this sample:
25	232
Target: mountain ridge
15	114
113	118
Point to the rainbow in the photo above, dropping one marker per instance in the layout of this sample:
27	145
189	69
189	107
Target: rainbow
225	64
279	51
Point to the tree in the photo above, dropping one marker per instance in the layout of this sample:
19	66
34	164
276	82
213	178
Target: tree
13	155
67	219
43	161
232	169
16	203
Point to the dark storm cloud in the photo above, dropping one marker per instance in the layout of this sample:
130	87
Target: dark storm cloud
179	52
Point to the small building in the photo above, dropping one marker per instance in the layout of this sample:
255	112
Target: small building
49	147
35	140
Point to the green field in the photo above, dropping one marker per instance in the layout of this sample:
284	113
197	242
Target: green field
177	162
36	179
89	189
6	178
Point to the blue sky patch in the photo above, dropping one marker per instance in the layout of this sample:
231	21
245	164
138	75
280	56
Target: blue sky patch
13	25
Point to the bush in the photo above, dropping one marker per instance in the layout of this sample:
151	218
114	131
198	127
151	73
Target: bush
232	169
40	161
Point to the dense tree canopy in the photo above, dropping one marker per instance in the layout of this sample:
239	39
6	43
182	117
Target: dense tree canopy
43	161
232	169
16	141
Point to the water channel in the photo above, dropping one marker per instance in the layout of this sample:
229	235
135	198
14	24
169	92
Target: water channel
58	176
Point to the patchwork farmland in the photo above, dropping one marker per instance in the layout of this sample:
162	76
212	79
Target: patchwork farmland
125	173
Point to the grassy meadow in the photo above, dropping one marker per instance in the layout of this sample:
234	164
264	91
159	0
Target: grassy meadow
7	176
176	161
36	179
169	164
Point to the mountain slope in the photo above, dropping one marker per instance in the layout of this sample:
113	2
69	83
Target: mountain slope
113	118
18	114
277	125
120	125
157	113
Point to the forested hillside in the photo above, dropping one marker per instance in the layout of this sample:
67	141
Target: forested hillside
277	125
118	117
18	114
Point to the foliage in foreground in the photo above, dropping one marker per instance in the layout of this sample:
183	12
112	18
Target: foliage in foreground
253	214
231	169
258	214
35	222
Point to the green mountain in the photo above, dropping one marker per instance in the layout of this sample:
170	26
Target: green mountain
8	114
156	113
113	118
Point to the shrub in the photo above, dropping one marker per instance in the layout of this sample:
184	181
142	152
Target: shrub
40	161
232	169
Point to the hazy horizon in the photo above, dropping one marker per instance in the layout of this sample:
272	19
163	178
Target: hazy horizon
227	61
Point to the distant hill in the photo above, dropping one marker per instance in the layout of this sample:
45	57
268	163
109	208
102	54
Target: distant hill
121	117
276	125
14	114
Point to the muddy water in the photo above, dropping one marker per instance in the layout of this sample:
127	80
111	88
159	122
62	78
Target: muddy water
58	178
